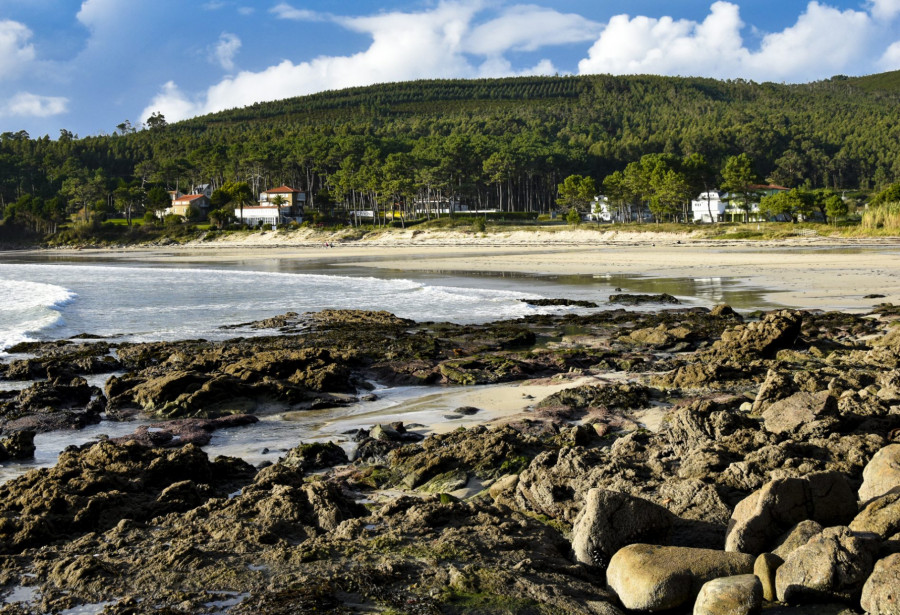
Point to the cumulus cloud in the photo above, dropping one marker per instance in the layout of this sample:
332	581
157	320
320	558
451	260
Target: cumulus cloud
25	104
891	58
15	49
225	49
715	48
404	46
885	9
527	28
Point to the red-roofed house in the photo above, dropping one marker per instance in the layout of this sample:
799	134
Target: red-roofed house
276	206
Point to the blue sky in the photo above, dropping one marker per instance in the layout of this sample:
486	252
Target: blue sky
88	66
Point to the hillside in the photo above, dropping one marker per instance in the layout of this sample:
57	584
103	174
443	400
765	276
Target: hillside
492	142
882	82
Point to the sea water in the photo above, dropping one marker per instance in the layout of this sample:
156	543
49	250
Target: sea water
57	301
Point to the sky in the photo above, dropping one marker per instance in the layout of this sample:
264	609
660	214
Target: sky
88	66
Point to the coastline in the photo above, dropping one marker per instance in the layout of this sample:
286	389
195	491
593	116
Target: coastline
802	272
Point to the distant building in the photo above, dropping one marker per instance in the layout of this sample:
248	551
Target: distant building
205	189
181	205
276	206
439	207
715	206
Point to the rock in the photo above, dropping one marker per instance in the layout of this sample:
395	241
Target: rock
881	593
803	413
765	567
467	410
798	536
610	520
759	340
775	387
723	309
832	566
630	299
765	514
653	578
17	445
180	432
737	595
880	515
503	485
559	303
882	473
315	456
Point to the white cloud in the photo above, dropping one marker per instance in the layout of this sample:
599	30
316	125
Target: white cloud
890	60
25	104
225	49
15	50
823	41
172	103
404	46
885	9
528	27
286	11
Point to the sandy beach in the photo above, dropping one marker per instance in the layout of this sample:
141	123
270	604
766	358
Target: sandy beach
803	272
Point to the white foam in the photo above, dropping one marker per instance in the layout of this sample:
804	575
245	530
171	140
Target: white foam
28	308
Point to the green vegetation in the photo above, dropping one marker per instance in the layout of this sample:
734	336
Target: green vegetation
407	151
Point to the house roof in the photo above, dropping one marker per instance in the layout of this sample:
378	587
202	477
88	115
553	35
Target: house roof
282	190
767	187
188	198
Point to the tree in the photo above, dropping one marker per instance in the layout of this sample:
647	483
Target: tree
240	194
127	198
737	179
156	121
576	192
835	207
573	217
221	217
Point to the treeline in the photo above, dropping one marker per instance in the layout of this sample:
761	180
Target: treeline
493	144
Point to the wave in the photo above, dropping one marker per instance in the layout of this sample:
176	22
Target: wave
29	308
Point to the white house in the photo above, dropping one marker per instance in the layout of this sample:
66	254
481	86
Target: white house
276	206
709	207
714	206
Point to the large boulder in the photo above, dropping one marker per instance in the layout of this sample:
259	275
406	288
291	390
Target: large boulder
881	593
737	595
832	566
767	513
759	340
775	387
610	520
880	516
882	473
802	413
653	578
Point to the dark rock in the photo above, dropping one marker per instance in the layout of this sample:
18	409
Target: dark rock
559	302
17	445
315	456
180	432
628	299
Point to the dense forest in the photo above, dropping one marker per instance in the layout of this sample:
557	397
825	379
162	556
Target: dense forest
502	143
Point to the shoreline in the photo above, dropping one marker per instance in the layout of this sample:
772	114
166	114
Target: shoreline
803	272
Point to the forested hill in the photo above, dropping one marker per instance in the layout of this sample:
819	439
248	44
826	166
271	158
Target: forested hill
501	140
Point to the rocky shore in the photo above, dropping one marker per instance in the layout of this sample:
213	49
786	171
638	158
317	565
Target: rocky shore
772	479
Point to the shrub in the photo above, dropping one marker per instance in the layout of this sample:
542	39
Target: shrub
478	224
